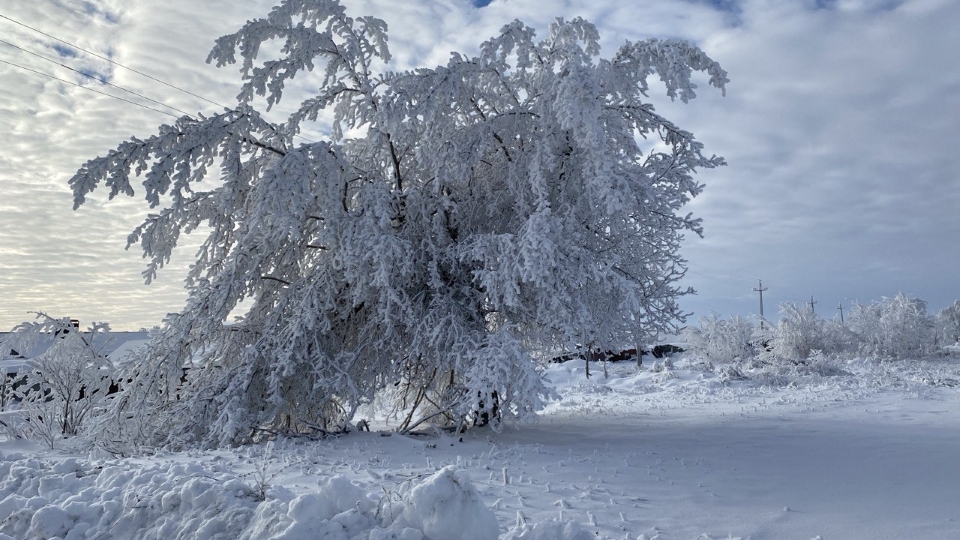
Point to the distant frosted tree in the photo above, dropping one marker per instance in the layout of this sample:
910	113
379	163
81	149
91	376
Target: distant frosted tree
458	220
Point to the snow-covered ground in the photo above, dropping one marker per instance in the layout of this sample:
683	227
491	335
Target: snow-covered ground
692	451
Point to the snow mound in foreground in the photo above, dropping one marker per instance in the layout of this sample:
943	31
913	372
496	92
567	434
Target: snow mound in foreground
446	505
70	499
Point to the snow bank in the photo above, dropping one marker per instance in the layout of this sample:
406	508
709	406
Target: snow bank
70	499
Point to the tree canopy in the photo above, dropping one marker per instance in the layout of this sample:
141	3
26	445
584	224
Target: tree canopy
456	222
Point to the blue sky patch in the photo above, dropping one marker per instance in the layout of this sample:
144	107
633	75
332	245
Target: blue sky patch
92	74
733	6
90	8
730	8
65	52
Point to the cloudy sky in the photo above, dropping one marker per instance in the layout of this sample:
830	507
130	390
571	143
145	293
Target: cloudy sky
841	127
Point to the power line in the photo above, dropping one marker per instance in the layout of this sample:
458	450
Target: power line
88	88
88	75
113	62
108	83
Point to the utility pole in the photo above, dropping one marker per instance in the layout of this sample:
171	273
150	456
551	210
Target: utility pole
812	310
840	307
760	290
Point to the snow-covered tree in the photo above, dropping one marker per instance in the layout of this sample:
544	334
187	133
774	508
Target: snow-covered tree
457	220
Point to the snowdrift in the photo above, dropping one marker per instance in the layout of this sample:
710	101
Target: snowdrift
72	500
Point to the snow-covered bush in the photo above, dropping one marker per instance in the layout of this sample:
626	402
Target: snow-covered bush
948	325
798	332
838	338
824	365
458	219
728	373
895	327
64	385
721	340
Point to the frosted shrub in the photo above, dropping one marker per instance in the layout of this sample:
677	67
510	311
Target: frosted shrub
838	338
895	327
948	325
727	373
720	339
65	384
798	333
820	363
661	367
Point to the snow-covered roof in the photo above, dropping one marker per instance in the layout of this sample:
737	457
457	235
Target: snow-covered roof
118	348
12	365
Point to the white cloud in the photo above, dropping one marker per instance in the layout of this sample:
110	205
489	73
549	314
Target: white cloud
839	127
842	181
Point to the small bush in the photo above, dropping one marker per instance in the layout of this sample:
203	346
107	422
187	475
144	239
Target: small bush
895	328
721	340
798	333
63	386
